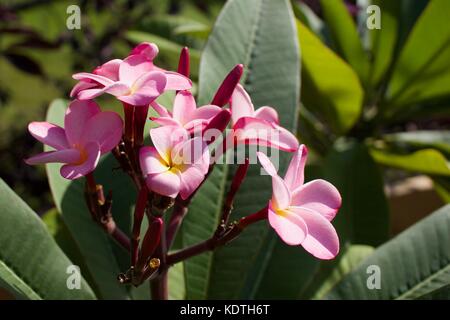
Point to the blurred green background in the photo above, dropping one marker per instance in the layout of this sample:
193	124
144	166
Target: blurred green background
38	55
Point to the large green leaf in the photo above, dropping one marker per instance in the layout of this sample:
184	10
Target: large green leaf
260	34
428	161
31	263
364	215
422	70
332	272
101	254
345	36
414	263
330	88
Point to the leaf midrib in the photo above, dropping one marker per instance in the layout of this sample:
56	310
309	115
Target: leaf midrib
424	282
17	276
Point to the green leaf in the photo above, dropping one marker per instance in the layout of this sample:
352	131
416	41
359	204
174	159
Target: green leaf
31	263
331	88
384	39
177	289
101	254
261	35
442	187
414	263
345	36
428	161
422	70
332	272
439	140
364	215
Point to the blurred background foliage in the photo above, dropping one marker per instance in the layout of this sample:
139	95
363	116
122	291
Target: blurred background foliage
374	111
38	55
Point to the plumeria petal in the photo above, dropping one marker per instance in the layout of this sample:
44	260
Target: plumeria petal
116	89
320	196
49	134
151	162
59	156
133	67
167	183
165	138
176	81
281	196
162	111
241	104
146	89
94	77
75	171
322	240
83	85
206	112
190	179
109	69
105	128
147	49
191	153
266	163
290	227
77	115
183	107
295	173
166	121
267	113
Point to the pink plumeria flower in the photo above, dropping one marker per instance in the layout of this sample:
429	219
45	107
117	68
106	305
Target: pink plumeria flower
134	80
258	127
301	213
176	164
185	113
88	133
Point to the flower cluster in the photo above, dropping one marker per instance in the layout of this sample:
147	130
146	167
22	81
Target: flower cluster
179	158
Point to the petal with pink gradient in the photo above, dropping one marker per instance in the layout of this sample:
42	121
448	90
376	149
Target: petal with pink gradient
94	77
183	107
322	240
146	89
109	69
165	138
320	196
266	163
75	171
49	134
193	152
133	67
267	113
257	131
290	227
115	89
190	179
76	118
294	176
167	183
162	111
83	85
59	156
147	49
281	196
241	104
206	112
176	81
105	128
151	162
165	121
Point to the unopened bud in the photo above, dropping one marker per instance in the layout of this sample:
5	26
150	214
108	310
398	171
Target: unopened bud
223	94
